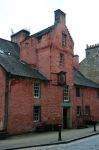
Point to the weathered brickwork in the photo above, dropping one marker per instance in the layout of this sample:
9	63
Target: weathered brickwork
88	98
51	52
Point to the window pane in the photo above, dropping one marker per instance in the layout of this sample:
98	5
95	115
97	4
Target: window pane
78	110
37	113
36	89
66	93
61	62
87	110
63	39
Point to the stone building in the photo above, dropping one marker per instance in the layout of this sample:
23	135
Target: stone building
90	65
40	81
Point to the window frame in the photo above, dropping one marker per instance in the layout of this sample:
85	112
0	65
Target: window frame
87	110
61	59
64	38
66	93
36	113
36	89
78	111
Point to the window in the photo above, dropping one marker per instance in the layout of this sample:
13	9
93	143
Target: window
66	93
78	110
39	39
26	44
87	54
97	93
37	113
63	39
77	92
87	110
61	62
36	89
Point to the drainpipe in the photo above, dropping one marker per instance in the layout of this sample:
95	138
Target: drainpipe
82	100
7	100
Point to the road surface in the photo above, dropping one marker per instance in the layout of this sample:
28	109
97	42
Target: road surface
91	143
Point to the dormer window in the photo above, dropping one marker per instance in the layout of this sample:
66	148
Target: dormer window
61	78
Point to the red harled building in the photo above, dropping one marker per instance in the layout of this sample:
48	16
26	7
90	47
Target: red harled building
40	82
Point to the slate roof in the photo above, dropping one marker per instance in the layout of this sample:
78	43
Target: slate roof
16	67
8	47
21	31
79	79
43	32
46	31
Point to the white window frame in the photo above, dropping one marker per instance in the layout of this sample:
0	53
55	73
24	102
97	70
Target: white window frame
36	89
36	113
66	93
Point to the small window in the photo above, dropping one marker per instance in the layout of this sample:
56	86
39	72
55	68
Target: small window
39	39
36	113
78	110
66	93
87	110
63	39
87	54
97	93
36	89
61	62
77	92
26	44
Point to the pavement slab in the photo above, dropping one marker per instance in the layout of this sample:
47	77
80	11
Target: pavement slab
46	138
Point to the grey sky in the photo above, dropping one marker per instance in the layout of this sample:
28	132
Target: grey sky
35	15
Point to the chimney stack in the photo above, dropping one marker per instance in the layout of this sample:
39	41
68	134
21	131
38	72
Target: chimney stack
76	61
20	36
59	16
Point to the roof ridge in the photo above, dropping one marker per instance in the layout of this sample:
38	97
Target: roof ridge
35	34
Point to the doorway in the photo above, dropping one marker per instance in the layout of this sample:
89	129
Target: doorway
66	118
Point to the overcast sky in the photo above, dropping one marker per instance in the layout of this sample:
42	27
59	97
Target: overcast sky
82	19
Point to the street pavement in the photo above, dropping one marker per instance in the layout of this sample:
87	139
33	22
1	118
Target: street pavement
46	138
90	143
